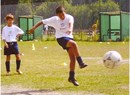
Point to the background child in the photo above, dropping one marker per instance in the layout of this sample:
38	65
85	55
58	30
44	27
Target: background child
10	34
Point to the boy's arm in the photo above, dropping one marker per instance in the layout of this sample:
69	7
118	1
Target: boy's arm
71	22
35	26
5	43
20	32
70	29
3	38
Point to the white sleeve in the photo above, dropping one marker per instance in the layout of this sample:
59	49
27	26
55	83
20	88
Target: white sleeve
3	34
19	31
71	19
49	21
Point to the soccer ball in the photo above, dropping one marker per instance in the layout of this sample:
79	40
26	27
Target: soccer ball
112	59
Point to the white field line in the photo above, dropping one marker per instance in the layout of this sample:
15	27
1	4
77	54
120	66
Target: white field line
92	58
100	59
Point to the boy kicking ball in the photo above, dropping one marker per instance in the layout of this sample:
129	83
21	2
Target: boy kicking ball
63	24
10	34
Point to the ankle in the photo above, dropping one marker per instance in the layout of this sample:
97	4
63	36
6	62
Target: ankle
71	74
79	60
18	70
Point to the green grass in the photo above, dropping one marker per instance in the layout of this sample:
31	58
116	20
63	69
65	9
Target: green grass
44	69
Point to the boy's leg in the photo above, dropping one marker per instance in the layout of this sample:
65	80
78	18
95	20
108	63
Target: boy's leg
72	44
7	64
18	63
72	68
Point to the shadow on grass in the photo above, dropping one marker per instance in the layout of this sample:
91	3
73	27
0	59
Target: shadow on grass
63	88
12	74
28	92
55	91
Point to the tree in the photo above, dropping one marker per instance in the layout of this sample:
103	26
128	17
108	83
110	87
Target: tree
85	15
23	8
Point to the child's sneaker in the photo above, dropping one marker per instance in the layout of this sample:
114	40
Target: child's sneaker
19	72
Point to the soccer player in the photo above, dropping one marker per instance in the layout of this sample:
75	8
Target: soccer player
63	24
10	34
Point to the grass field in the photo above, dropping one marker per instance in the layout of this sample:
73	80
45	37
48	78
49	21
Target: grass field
44	69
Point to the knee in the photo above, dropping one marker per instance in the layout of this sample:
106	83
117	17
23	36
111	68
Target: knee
18	57
73	44
7	58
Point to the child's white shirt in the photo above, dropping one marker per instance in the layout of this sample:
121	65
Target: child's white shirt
9	33
62	27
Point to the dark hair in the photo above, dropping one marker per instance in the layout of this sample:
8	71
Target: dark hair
60	9
9	16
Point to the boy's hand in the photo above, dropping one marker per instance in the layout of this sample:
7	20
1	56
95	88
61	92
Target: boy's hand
68	32
18	36
6	45
31	31
34	27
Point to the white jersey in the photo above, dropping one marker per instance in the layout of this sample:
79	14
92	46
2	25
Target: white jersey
9	33
46	27
62	27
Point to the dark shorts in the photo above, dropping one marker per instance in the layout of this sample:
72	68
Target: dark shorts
63	42
13	48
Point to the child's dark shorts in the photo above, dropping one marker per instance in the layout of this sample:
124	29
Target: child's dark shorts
63	42
12	48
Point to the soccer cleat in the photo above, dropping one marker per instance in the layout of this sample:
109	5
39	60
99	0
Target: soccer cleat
83	65
8	73
73	81
19	72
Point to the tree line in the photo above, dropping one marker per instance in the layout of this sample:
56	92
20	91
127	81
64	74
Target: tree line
85	14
